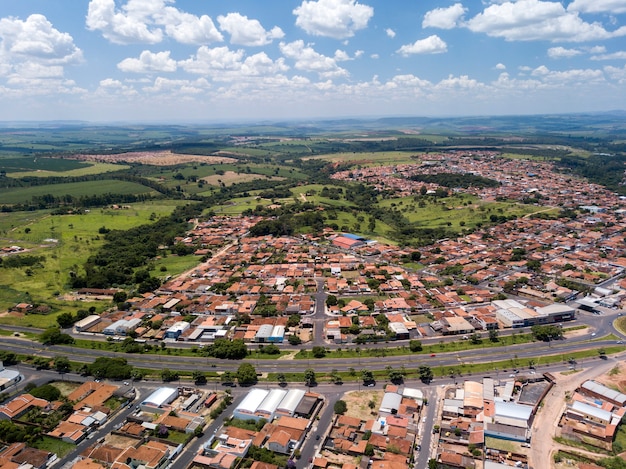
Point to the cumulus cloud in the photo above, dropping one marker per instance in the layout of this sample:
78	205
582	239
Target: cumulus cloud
149	62
247	32
221	63
598	6
562	53
500	66
147	22
390	32
338	19
36	40
187	28
431	45
533	20
309	60
620	55
444	18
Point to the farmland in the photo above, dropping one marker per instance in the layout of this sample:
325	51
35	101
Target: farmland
17	195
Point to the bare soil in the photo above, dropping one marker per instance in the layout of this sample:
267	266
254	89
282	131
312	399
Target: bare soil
357	402
157	158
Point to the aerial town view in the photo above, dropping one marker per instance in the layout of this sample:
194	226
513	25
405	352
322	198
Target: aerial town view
330	234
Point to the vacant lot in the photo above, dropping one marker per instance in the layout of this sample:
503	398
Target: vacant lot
358	403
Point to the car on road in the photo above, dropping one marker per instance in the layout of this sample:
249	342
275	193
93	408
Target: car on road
317	437
419	447
433	355
593	334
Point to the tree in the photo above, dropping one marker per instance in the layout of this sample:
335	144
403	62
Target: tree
111	368
309	377
65	320
475	339
294	339
367	376
120	297
282	379
425	374
199	378
547	332
493	335
228	378
371	404
47	392
415	346
62	365
53	336
340	407
167	375
293	321
246	374
318	352
331	300
395	376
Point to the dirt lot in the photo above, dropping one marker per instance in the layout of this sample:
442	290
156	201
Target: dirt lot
157	158
615	378
358	401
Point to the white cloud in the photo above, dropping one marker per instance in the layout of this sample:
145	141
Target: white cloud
444	18
620	55
146	22
338	19
616	73
500	66
129	26
431	45
149	62
307	59
247	32
223	64
598	6
596	49
531	20
210	61
570	77
35	39
390	32
562	53
187	28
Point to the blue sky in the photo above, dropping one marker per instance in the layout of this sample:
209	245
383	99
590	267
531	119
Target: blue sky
210	60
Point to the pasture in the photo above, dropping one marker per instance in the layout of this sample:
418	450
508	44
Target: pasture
371	158
66	241
230	177
455	212
87	170
38	163
17	195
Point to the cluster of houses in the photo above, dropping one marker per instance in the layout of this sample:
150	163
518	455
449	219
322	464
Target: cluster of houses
593	415
473	412
140	441
388	439
287	418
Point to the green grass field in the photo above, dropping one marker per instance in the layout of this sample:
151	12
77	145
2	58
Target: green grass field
371	159
87	170
456	212
34	164
76	238
16	195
